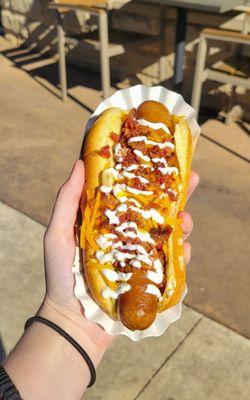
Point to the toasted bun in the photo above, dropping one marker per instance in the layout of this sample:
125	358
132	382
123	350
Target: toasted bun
98	136
135	308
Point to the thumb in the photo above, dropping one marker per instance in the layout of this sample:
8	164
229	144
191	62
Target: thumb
67	203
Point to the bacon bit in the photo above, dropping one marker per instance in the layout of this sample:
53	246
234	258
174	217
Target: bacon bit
138	146
137	218
127	269
160	179
122	250
131	114
129	158
162	256
112	229
130	123
153	204
104	152
167	152
172	195
159	246
137	184
109	201
162	285
161	234
114	137
123	218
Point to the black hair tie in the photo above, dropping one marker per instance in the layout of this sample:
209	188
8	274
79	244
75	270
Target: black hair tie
59	330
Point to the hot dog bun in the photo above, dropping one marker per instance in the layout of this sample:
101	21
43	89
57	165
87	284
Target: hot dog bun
130	235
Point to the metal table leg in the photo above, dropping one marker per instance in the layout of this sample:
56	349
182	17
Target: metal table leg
62	61
199	74
104	53
180	47
162	44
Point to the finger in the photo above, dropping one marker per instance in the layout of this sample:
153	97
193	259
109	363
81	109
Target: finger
187	252
193	183
67	202
187	223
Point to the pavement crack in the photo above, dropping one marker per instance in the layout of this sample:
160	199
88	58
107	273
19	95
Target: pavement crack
225	148
168	358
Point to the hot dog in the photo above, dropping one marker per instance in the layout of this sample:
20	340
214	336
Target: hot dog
137	171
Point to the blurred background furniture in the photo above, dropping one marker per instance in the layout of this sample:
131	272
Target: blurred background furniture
202	73
100	9
181	26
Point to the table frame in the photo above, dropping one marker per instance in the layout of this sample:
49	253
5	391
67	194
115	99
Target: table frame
102	15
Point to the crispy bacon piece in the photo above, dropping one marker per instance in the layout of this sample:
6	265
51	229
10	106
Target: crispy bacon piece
162	256
137	184
114	137
129	158
139	146
104	151
130	123
130	115
109	201
123	218
128	268
173	195
161	234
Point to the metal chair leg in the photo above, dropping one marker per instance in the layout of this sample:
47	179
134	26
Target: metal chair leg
104	52
62	61
199	75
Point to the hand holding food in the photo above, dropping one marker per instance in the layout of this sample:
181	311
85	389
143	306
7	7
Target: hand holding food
137	172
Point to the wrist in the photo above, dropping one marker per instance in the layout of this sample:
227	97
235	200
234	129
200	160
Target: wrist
45	365
84	332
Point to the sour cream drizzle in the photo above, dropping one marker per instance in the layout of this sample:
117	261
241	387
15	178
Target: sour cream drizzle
161	160
168	170
108	293
114	276
139	154
152	213
152	289
124	188
154	125
161	145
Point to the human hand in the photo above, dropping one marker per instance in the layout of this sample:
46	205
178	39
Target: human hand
58	370
60	251
187	221
60	304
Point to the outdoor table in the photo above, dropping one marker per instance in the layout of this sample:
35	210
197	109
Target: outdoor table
101	8
213	6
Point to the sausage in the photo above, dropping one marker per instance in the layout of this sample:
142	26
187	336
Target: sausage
136	308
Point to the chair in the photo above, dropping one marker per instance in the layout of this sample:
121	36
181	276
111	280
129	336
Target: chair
99	8
202	74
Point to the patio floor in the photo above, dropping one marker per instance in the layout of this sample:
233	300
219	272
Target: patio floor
40	138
